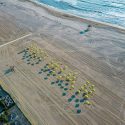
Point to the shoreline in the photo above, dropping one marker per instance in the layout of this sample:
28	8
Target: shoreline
97	56
57	12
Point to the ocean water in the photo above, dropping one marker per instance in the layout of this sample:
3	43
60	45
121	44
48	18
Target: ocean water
110	11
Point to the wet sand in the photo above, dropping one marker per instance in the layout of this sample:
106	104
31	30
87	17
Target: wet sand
98	55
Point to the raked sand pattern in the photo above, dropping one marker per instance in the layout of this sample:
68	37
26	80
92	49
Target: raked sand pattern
97	56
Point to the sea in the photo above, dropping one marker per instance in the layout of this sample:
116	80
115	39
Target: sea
109	11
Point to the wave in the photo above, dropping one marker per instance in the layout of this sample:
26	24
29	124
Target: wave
110	11
116	5
115	14
72	2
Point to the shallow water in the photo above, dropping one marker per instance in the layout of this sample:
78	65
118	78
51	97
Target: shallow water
111	11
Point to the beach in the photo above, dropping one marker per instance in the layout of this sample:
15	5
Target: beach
111	11
97	55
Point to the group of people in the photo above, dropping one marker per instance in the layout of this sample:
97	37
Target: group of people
86	30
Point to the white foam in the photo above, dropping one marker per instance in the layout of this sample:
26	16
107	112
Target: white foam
116	14
72	2
117	4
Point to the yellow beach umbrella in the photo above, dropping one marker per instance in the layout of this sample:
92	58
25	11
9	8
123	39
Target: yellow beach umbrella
88	82
65	66
52	65
89	92
87	102
55	69
60	77
40	58
57	65
78	91
74	77
86	96
72	86
85	85
61	70
93	90
85	90
72	82
69	74
82	88
57	77
70	79
93	86
67	77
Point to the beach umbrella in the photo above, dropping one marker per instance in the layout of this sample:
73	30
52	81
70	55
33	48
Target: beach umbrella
85	90
40	59
53	71
57	65
86	96
93	86
67	77
72	86
87	102
60	77
78	91
70	79
56	68
82	88
93	90
61	70
65	67
88	82
69	74
74	77
57	77
52	65
85	85
72	82
90	92
37	50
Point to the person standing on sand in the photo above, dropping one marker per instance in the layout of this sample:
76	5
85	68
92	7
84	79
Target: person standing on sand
12	68
9	70
86	30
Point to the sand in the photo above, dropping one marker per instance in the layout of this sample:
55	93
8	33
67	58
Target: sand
98	56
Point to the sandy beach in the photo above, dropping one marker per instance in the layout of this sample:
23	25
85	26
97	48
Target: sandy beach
97	55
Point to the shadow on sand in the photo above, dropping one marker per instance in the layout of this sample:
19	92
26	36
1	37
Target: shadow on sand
8	72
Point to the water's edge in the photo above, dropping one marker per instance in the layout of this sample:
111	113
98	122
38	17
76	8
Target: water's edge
109	11
57	12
